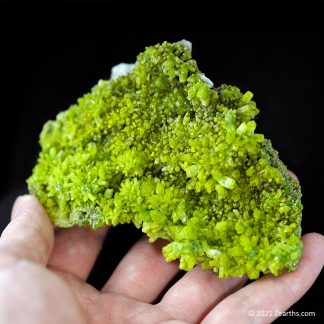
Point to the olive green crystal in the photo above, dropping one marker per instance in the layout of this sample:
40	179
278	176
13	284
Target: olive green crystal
163	149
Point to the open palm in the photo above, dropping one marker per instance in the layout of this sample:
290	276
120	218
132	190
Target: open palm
43	280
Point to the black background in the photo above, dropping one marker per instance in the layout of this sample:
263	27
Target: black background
52	53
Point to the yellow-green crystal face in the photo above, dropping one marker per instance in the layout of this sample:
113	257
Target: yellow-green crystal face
158	147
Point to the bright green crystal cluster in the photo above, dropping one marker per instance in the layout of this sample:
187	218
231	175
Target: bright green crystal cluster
160	148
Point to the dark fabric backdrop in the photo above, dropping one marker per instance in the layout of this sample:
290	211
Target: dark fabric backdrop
53	53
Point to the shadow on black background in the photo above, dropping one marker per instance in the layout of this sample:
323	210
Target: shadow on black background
53	53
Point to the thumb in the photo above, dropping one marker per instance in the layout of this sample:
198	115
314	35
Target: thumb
30	233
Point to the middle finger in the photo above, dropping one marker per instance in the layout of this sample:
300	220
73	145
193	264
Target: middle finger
194	295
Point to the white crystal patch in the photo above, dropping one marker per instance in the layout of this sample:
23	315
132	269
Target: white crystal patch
186	43
205	79
121	69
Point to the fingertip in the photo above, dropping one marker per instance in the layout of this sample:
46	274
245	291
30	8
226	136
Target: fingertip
23	202
314	245
18	204
293	175
314	236
30	233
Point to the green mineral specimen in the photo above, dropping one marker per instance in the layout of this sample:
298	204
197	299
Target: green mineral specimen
163	149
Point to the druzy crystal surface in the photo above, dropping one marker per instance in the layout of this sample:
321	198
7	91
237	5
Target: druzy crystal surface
161	148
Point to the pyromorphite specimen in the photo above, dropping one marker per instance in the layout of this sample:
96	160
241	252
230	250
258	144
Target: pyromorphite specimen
162	149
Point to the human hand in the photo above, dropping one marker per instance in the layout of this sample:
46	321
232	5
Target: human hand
42	280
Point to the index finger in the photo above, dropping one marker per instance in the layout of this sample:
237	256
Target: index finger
30	234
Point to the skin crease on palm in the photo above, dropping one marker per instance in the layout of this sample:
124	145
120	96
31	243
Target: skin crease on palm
43	274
